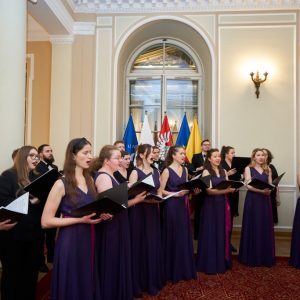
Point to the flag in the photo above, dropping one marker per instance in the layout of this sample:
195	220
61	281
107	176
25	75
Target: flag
129	138
184	133
164	138
146	136
194	143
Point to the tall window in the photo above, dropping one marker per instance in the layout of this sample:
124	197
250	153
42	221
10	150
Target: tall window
164	76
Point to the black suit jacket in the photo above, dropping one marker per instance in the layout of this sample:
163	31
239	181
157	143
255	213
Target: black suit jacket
29	226
197	161
42	167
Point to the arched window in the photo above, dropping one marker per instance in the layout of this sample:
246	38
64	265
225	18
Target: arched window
163	76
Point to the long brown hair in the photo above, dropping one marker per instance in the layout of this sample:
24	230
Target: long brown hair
142	149
105	153
21	165
208	166
172	151
264	166
73	148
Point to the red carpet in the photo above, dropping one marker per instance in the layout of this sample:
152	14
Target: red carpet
280	282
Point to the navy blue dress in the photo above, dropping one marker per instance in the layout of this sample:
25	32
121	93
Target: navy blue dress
178	249
214	255
295	244
72	274
113	262
146	247
257	245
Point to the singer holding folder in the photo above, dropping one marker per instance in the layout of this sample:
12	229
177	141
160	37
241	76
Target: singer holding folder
214	252
20	244
178	251
113	274
73	265
257	245
145	229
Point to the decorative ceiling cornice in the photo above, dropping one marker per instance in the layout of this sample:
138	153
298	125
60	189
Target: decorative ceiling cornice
154	6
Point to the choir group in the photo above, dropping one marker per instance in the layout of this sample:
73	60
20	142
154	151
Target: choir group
139	249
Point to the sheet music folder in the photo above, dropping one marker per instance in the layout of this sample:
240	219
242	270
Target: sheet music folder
240	163
143	185
197	182
223	185
42	186
277	179
111	201
15	210
260	185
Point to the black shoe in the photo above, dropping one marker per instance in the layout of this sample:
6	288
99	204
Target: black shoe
43	268
233	249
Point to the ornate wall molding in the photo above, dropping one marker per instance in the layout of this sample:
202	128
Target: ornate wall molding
150	6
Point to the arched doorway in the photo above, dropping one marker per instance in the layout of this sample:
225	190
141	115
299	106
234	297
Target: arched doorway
190	42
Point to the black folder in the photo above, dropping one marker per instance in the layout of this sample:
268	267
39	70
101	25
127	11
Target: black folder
277	179
197	182
111	201
260	185
159	198
240	163
14	214
143	185
42	186
223	185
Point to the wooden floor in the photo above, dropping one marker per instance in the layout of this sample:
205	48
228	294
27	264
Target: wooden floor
282	242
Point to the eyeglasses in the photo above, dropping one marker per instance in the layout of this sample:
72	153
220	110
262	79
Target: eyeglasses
34	156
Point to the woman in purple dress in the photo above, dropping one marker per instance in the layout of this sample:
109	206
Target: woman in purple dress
295	244
178	252
113	262
257	245
144	220
72	275
214	253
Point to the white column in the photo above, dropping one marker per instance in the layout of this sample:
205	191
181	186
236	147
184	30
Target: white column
13	15
60	106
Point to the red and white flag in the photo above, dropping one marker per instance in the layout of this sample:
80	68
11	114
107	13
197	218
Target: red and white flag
165	139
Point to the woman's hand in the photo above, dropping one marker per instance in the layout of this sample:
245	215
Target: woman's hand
266	192
197	191
231	172
89	219
106	217
229	190
6	225
34	201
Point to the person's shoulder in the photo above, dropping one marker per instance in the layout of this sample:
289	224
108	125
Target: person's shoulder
11	173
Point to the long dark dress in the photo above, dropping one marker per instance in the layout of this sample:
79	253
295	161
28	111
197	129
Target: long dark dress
274	195
72	275
113	263
214	255
232	197
295	244
257	246
146	247
176	231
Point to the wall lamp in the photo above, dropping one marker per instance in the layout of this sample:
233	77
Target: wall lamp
258	81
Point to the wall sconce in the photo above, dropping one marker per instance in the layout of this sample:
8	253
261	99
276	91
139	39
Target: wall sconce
257	81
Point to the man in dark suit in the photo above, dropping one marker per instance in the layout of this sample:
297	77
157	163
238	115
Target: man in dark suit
157	162
46	163
197	167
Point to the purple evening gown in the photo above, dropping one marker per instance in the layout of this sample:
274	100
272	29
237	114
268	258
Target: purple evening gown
147	266
295	245
214	254
178	252
72	275
113	260
257	245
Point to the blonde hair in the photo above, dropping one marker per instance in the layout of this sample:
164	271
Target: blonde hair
264	165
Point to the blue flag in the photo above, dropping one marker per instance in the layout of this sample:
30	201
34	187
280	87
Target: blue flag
129	137
184	133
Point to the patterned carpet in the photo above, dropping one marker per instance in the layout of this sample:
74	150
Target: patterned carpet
280	282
